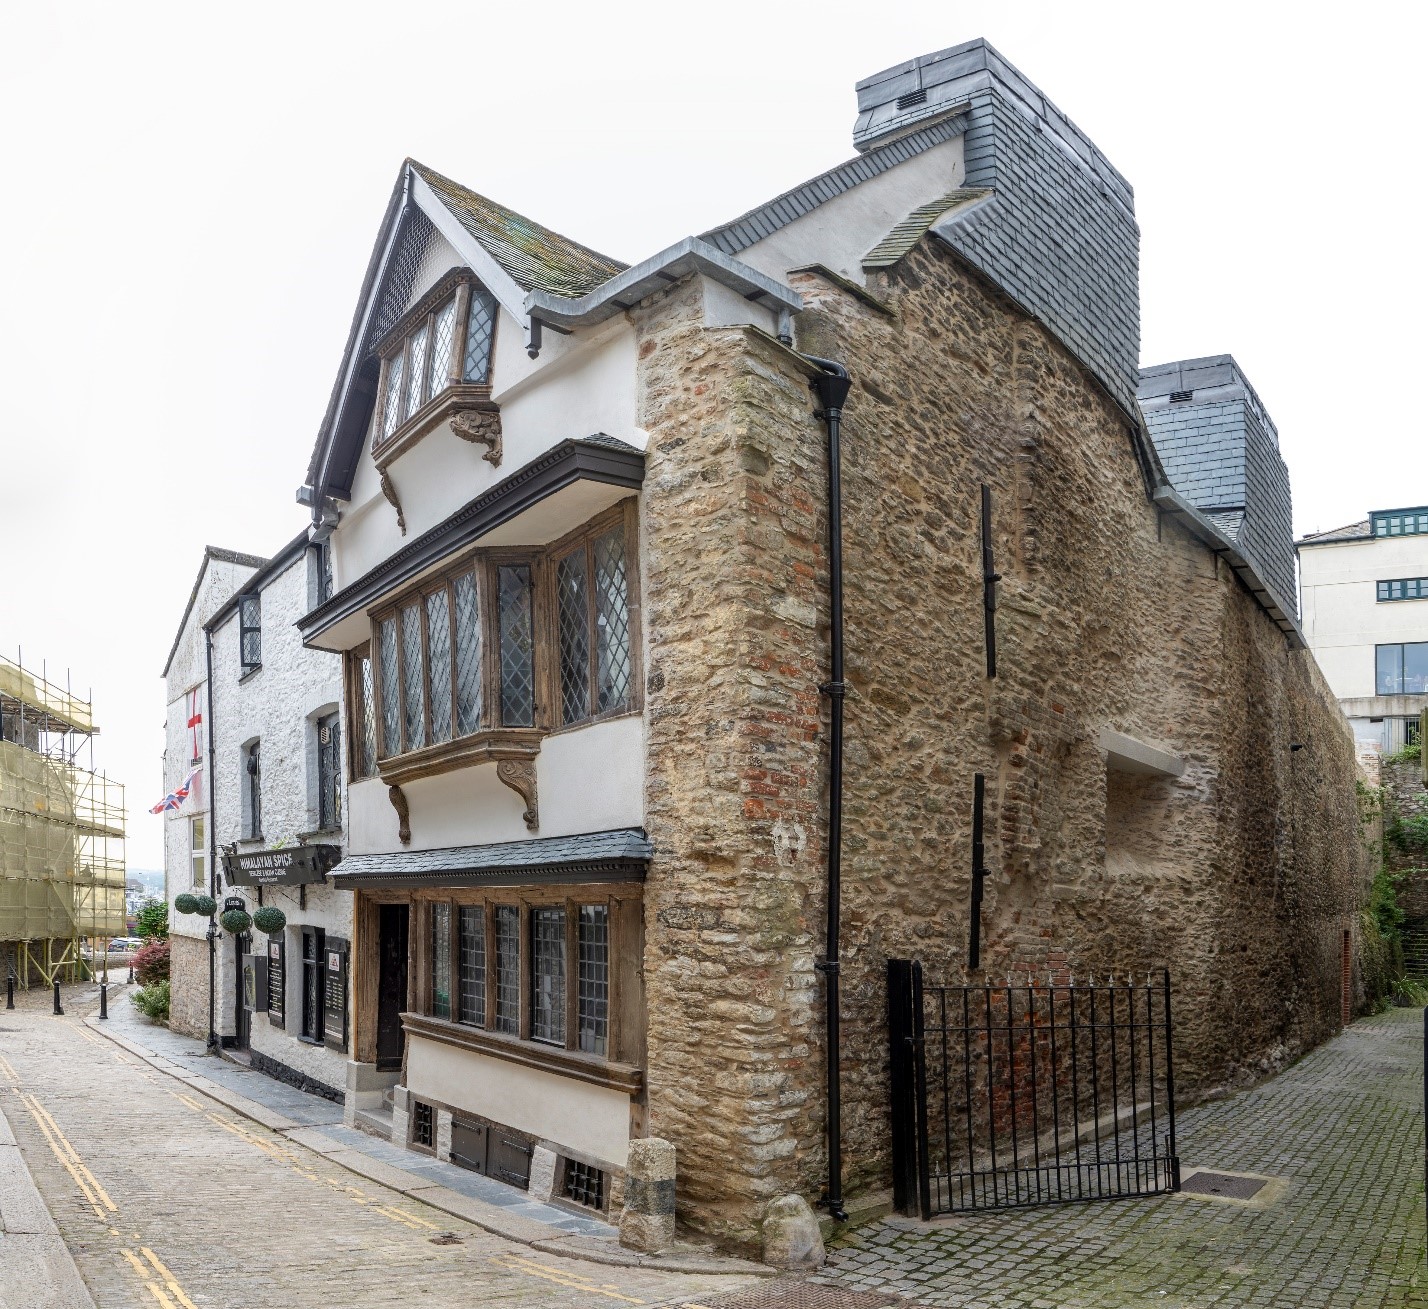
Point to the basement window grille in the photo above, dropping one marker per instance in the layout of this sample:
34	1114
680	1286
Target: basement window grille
912	99
1179	397
421	1124
585	1185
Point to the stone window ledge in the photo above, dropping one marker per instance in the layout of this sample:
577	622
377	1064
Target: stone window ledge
575	1064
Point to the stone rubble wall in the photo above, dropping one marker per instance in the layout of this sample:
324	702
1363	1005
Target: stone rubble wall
188	985
1240	876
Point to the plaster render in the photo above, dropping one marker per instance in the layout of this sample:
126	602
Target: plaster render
591	1120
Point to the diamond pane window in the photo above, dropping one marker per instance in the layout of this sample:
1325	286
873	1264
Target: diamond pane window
508	968
413	705
392	410
594	977
574	637
473	965
391	693
480	328
548	975
517	646
443	330
417	373
366	737
438	643
612	622
441	960
468	655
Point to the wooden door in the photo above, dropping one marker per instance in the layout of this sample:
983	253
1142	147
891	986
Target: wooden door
391	983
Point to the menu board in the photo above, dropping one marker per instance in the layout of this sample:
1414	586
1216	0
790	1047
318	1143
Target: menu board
334	1025
276	979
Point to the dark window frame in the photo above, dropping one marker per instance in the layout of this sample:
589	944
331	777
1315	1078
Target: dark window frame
1398	680
1409	522
253	791
314	990
361	714
329	772
1413	588
250	625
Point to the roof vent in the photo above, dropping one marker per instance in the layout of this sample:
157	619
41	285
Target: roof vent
912	99
1178	397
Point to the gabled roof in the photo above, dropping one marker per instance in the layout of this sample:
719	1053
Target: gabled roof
279	563
211	553
536	258
1359	531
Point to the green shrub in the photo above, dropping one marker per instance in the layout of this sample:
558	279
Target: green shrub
186	903
206	904
1410	754
152	922
1408	835
236	921
1409	994
153	1001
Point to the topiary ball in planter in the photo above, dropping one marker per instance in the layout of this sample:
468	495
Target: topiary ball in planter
186	903
270	920
205	904
236	921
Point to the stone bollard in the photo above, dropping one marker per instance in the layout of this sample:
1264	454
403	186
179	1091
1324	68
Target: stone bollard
790	1235
647	1222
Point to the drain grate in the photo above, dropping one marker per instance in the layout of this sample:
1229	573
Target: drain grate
801	1295
1222	1185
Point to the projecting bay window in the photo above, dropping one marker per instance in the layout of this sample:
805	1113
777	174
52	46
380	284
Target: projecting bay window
550	979
500	648
441	349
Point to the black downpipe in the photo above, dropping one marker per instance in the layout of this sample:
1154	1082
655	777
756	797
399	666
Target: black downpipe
209	793
831	387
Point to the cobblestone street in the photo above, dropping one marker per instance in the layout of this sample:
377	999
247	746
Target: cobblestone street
1342	1131
152	1186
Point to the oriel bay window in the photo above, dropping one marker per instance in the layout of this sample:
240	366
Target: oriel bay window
508	643
552	982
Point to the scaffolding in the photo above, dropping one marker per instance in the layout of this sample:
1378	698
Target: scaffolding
62	869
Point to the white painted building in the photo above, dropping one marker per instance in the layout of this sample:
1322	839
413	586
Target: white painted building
188	866
279	816
1364	605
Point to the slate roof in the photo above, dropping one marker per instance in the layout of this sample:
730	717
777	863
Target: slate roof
534	256
914	227
223	556
590	856
1350	532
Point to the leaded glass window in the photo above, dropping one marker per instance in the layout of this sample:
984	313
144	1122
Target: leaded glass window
441	960
250	632
416	370
508	968
392	409
574	637
594	977
612	622
364	715
443	337
413	699
472	938
438	640
480	329
468	654
517	646
548	975
391	695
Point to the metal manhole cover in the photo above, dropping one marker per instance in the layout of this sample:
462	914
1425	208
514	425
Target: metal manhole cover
1222	1185
800	1295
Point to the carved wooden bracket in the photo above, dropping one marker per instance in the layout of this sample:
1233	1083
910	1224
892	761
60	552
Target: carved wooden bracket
480	427
404	815
390	492
520	776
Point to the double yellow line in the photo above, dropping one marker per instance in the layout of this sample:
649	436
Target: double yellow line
88	1184
170	1293
562	1277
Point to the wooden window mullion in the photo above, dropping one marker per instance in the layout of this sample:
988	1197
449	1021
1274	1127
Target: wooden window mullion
488	929
526	970
457	366
572	974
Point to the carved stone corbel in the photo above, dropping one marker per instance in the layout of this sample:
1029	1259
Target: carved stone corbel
520	776
480	427
390	492
404	814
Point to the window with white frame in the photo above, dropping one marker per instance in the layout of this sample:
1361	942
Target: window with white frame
198	849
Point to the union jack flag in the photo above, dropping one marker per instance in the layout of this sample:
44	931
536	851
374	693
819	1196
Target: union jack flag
175	799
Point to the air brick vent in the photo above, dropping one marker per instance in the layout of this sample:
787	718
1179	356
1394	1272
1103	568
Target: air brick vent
1178	397
912	99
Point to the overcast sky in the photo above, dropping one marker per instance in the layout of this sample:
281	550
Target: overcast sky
192	192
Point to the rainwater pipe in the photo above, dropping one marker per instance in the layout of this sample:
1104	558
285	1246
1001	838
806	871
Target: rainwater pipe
210	790
831	387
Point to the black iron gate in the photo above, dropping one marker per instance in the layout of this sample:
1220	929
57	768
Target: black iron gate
1030	1092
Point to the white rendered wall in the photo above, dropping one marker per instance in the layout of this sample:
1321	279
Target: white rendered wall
220	580
592	1120
580	385
1343	620
589	779
278	705
841	231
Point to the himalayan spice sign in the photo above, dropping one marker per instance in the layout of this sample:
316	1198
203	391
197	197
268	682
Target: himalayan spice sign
301	865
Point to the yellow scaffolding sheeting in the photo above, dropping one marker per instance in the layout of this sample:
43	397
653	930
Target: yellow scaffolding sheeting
62	868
